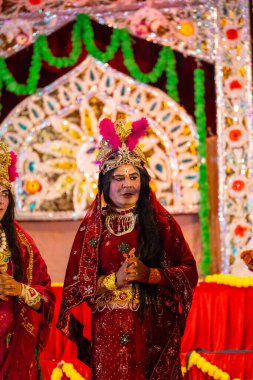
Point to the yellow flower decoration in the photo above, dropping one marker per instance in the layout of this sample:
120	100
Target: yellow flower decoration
206	367
56	374
32	186
228	279
186	28
67	369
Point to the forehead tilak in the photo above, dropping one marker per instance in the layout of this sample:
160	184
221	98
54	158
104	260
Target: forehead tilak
125	170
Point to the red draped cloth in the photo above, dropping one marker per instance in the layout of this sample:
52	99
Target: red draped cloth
23	331
221	319
124	344
208	323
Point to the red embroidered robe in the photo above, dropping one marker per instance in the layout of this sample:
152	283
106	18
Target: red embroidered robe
124	344
23	331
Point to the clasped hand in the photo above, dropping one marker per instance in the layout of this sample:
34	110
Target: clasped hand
8	286
132	269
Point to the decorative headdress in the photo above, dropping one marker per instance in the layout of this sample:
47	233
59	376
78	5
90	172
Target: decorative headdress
119	143
8	160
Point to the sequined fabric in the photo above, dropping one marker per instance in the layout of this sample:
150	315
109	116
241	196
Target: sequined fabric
126	345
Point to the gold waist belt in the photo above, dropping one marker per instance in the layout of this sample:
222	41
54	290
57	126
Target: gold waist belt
122	298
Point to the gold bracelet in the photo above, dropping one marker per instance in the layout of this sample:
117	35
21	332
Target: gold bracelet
154	276
29	295
109	281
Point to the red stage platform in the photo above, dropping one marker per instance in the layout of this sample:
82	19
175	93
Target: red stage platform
219	327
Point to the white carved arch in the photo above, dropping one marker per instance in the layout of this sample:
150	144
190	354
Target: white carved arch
54	133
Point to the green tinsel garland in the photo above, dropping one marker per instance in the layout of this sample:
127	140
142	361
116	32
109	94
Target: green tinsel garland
82	32
199	92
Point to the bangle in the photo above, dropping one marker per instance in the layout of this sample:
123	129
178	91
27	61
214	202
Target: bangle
29	295
154	276
109	282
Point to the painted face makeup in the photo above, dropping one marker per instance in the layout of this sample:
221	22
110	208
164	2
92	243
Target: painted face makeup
125	187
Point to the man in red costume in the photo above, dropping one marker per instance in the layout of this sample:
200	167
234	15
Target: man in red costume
132	265
26	297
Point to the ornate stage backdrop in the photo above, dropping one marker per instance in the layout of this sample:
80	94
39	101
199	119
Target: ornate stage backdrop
54	130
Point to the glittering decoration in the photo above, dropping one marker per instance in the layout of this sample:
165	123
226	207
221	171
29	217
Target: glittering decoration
186	26
235	145
124	339
93	242
123	247
55	134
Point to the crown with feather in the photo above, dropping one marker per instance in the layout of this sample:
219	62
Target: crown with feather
119	143
8	160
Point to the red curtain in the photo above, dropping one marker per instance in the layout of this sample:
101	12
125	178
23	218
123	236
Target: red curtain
220	320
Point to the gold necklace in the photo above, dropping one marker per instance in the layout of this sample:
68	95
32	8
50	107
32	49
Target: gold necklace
5	253
120	223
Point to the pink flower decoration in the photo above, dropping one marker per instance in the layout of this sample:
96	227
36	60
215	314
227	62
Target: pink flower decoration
23	39
12	168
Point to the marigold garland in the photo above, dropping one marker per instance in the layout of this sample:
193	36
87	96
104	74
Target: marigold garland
228	279
67	369
199	92
205	366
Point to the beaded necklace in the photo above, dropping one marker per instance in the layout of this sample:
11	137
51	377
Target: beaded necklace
120	222
5	253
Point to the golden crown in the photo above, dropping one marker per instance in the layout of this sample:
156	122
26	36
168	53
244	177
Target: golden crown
119	144
8	161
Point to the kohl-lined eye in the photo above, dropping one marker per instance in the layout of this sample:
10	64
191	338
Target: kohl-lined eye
4	194
118	179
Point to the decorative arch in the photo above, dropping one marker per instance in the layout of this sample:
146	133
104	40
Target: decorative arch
54	132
